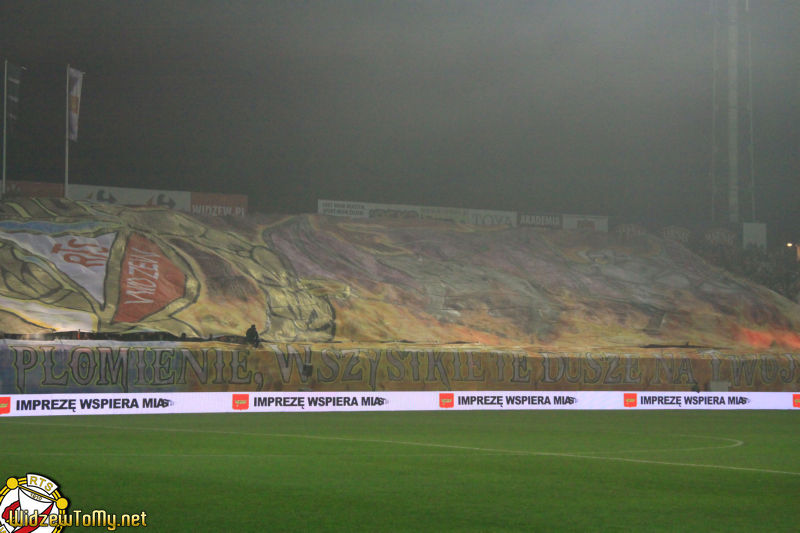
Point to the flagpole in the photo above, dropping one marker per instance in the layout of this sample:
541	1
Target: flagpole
5	132
66	143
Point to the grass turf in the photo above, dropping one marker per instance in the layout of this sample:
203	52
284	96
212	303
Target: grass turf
423	471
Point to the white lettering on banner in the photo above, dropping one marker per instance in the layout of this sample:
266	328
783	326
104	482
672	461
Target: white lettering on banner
142	280
490	220
342	209
553	221
148	281
83	259
597	223
482	217
218	210
82	253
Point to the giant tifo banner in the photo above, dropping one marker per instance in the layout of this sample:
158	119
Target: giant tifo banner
370	313
110	269
36	367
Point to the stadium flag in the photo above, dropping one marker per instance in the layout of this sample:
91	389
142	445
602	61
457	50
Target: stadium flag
74	83
11	79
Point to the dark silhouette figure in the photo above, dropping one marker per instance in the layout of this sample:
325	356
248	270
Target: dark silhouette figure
252	336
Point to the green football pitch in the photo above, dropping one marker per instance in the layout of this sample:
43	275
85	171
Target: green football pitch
423	471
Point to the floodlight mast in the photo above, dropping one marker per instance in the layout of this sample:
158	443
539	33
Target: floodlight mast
714	111
733	111
751	142
731	17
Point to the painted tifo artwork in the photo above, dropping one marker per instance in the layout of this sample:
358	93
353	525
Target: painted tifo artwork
75	266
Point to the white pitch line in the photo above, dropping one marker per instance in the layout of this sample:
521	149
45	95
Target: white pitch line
736	443
695	465
493	451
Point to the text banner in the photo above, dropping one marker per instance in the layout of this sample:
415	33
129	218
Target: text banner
115	366
309	402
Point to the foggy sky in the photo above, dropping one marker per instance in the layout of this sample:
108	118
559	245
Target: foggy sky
600	107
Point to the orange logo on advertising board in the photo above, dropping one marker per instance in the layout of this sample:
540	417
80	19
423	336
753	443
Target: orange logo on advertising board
795	400
241	402
447	399
5	404
630	399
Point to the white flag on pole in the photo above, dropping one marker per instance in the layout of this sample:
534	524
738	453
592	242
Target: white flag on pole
75	82
13	74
